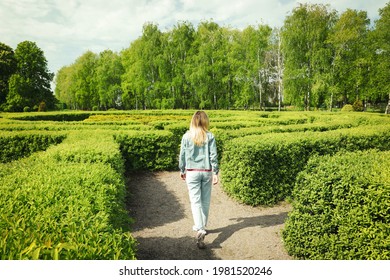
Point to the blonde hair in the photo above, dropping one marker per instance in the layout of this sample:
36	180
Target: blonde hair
198	127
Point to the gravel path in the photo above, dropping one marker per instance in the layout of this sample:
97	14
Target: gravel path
160	205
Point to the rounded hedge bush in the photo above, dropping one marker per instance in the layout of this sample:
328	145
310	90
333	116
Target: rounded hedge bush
341	208
347	108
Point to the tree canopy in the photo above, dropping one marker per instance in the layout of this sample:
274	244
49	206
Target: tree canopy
25	78
317	59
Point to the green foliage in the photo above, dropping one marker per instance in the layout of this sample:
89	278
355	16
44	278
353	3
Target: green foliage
67	203
30	84
89	146
154	150
62	210
307	54
341	208
380	47
358	106
42	107
327	60
82	214
17	145
351	63
108	79
7	69
347	108
262	169
52	116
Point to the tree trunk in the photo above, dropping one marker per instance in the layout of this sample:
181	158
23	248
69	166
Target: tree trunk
260	91
388	106
279	95
331	102
279	72
307	105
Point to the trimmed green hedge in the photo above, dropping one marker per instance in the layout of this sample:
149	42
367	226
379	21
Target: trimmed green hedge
21	144
155	150
223	136
62	210
341	208
262	169
51	116
66	202
97	146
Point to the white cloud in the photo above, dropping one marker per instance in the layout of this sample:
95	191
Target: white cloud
64	30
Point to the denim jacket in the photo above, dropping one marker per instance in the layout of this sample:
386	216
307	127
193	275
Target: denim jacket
195	157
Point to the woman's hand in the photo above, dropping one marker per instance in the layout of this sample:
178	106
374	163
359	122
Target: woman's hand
183	176
215	179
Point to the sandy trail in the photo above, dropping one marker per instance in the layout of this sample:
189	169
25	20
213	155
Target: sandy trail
160	205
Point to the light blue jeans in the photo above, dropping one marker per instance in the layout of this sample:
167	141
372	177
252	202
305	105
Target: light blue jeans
199	189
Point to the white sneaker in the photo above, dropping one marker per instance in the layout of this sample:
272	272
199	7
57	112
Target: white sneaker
200	239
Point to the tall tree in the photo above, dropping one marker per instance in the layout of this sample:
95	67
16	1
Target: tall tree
208	65
65	90
380	47
7	68
133	83
177	52
30	85
109	70
234	78
151	60
349	40
304	34
141	80
256	42
248	59
85	86
275	63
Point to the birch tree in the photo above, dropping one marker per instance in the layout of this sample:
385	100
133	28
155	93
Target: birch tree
109	70
303	42
380	74
349	40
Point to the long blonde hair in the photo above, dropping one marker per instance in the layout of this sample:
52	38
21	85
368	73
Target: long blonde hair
198	127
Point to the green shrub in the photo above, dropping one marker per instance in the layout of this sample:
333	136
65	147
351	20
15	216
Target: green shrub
261	169
67	203
178	130
154	150
21	144
223	136
51	116
347	108
42	107
341	208
89	146
63	210
358	106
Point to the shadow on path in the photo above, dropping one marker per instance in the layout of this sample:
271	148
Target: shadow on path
149	201
161	248
246	222
159	204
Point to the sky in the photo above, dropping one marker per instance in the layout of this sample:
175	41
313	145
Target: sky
65	30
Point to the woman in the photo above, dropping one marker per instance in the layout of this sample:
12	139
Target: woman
198	165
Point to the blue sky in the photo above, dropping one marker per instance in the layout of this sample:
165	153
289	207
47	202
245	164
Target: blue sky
64	30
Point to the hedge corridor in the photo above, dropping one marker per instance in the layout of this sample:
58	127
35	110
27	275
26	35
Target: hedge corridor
62	178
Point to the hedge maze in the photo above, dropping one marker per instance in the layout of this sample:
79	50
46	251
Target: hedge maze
62	178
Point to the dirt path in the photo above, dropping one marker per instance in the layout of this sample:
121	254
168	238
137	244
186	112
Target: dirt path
160	205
